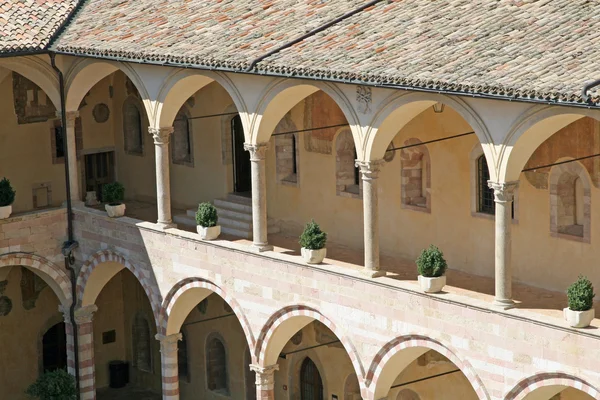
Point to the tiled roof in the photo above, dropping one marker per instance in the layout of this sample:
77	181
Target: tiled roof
28	25
543	50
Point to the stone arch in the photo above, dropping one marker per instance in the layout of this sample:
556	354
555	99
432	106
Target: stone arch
549	384
282	95
38	72
283	324
416	176
51	273
400	352
92	280
185	295
562	181
528	133
399	109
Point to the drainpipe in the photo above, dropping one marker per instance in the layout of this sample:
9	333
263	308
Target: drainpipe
587	87
70	245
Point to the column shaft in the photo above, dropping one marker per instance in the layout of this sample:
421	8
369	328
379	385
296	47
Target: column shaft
163	180
259	196
265	381
169	366
65	310
85	337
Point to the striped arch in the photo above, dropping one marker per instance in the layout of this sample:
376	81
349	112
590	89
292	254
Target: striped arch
296	317
114	263
51	273
184	292
546	381
382	371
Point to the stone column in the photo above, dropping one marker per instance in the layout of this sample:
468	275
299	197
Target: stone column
161	138
503	196
265	381
71	147
66	312
370	173
85	337
258	153
169	366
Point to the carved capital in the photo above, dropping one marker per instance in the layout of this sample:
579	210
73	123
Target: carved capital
168	344
504	192
370	169
265	376
161	136
84	315
71	116
258	151
66	312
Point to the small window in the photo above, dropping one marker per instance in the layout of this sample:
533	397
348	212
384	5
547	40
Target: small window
132	126
348	182
416	176
182	358
181	144
311	384
141	343
216	366
485	194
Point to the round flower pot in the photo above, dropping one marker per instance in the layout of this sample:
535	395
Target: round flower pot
115	211
578	319
313	256
210	233
5	212
432	285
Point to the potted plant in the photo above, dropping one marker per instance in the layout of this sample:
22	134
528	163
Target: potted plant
7	197
313	241
54	385
580	295
207	218
432	267
113	195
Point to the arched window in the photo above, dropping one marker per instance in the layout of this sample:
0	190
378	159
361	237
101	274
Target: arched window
182	151
311	385
352	388
416	176
570	199
141	343
54	348
485	194
347	175
286	152
182	358
132	126
216	366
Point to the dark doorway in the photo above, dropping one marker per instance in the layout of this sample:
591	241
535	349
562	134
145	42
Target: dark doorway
241	158
54	348
99	170
311	385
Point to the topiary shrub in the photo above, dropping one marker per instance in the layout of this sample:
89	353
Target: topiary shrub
206	216
581	294
313	238
431	262
113	193
54	385
7	194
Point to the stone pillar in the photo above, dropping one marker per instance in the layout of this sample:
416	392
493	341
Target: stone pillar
169	366
503	196
71	147
85	337
258	153
66	312
163	180
370	173
265	381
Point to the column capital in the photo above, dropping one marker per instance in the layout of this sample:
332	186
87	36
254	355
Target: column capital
169	340
369	169
265	376
85	314
257	151
66	312
71	116
161	135
503	191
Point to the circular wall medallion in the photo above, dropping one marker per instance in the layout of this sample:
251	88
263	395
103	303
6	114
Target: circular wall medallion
101	112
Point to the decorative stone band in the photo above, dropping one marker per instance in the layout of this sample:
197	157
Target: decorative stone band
265	381
169	366
161	136
66	312
71	116
370	169
258	152
504	192
85	333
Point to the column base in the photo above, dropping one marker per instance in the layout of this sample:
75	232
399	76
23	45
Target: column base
504	304
261	247
373	273
166	225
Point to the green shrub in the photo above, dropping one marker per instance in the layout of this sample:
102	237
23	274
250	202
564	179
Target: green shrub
7	194
54	385
313	238
431	262
113	193
581	294
206	216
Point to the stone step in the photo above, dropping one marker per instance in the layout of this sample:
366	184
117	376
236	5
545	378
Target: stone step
234	205
225	213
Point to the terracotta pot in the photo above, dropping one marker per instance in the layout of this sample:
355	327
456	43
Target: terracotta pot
313	256
115	211
5	212
578	319
432	285
210	233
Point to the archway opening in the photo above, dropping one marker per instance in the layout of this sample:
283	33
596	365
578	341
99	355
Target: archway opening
54	348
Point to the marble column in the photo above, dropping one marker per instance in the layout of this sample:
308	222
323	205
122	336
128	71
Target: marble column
258	154
370	172
161	138
85	337
265	381
503	197
66	312
71	148
169	365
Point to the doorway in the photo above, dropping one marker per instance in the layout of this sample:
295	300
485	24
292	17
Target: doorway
54	348
311	385
99	170
241	158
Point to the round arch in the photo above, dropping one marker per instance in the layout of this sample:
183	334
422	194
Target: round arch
549	384
185	295
529	132
397	354
283	324
399	109
53	275
91	280
38	72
